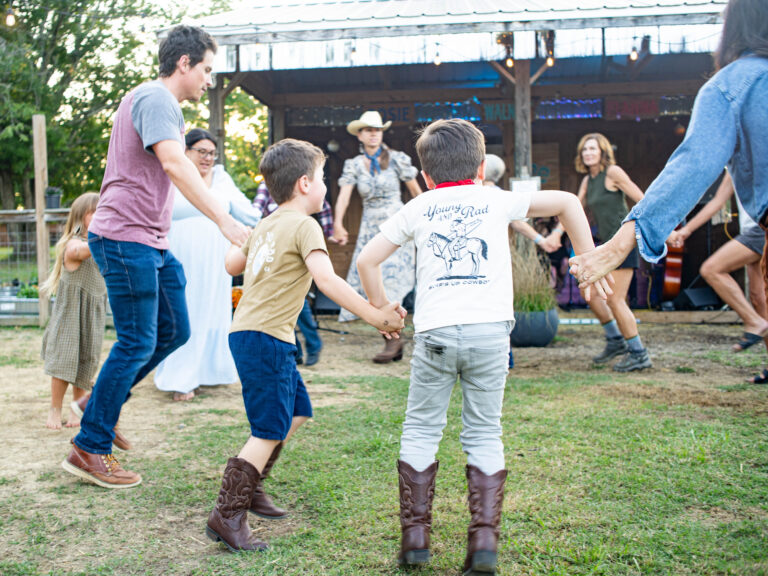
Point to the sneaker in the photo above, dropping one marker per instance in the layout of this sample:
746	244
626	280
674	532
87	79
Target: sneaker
312	358
613	347
101	469
634	361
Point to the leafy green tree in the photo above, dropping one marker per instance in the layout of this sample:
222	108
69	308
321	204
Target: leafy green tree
72	60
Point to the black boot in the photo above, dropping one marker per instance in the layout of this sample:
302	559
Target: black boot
228	521
417	490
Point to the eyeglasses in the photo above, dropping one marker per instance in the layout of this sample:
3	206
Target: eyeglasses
206	153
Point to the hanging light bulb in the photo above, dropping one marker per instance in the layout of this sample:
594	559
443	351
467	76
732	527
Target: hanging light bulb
510	62
10	17
550	44
437	61
633	56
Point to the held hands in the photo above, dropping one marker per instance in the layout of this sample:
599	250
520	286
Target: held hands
551	243
678	237
234	231
390	320
340	234
592	270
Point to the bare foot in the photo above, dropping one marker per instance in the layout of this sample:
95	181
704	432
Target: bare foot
181	397
73	421
54	419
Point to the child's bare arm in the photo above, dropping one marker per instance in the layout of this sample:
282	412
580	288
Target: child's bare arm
568	209
369	268
387	320
234	261
75	252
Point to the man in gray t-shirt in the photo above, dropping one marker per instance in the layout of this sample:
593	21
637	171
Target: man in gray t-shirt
128	241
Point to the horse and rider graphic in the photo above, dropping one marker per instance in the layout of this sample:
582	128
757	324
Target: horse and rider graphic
456	246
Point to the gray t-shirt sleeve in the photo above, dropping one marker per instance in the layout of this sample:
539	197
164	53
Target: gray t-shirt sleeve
156	115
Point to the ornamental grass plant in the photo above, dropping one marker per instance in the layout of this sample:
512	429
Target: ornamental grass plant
531	277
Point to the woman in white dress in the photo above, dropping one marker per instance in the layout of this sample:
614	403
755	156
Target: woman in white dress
198	244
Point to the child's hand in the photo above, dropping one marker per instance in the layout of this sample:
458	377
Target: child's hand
389	321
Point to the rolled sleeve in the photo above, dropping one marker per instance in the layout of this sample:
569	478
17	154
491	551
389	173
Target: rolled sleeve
708	145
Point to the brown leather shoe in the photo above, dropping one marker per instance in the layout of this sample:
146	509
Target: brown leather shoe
228	522
486	496
392	351
102	469
417	490
261	503
120	441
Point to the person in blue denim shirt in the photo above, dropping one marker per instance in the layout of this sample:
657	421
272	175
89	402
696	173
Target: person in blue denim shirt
729	126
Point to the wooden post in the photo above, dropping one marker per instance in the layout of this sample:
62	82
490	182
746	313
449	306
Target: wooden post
40	150
216	117
523	159
276	123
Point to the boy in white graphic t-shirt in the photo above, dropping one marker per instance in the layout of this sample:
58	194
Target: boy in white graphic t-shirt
463	317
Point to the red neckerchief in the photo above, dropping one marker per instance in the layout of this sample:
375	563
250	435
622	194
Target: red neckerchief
459	183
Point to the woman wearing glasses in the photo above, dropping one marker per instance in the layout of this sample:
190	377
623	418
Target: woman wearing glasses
198	244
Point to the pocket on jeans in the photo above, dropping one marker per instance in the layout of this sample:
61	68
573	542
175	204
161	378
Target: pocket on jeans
487	367
428	361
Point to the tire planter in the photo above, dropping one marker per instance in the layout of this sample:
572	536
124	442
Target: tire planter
536	329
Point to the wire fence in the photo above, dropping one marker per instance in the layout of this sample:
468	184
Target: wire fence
19	272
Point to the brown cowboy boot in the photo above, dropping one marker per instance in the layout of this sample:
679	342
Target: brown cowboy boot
417	490
261	504
486	496
392	351
228	521
120	441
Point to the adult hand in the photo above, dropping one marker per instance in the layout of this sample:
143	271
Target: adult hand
340	234
234	231
590	267
675	239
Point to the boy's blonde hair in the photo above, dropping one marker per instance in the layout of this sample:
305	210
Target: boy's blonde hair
451	150
285	162
83	205
606	152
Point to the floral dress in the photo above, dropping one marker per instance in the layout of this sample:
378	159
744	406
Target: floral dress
381	199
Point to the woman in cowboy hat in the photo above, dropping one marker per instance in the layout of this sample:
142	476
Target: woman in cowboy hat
376	173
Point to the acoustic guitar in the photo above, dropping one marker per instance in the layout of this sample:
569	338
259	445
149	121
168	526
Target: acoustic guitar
673	271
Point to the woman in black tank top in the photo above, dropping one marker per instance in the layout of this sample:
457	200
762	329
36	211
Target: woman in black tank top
603	192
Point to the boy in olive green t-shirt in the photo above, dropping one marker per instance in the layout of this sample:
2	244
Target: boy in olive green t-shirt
284	253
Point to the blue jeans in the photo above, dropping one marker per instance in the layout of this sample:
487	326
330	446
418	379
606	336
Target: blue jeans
476	354
308	328
146	293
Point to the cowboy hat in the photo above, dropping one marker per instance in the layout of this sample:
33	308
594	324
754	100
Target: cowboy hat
370	119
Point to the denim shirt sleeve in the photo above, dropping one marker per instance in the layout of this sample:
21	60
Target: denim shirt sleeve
708	146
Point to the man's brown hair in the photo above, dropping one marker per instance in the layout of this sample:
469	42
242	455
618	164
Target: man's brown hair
451	150
285	162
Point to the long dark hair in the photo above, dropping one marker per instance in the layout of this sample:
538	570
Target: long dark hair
745	30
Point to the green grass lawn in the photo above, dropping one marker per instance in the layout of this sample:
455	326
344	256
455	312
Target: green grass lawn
597	485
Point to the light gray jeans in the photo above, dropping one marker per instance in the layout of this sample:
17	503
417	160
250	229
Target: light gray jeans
476	354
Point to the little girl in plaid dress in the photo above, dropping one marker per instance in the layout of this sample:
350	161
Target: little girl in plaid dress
72	340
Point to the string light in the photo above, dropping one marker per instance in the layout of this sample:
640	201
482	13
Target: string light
10	17
633	56
550	43
437	61
507	39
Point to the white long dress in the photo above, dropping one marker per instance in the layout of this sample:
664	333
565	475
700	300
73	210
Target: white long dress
205	360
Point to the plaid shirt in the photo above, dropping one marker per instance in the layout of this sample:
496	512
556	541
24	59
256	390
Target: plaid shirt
264	202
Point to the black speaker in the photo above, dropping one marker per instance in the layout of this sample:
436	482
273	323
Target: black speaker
698	299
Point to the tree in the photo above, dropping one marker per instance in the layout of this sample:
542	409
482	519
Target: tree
72	60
